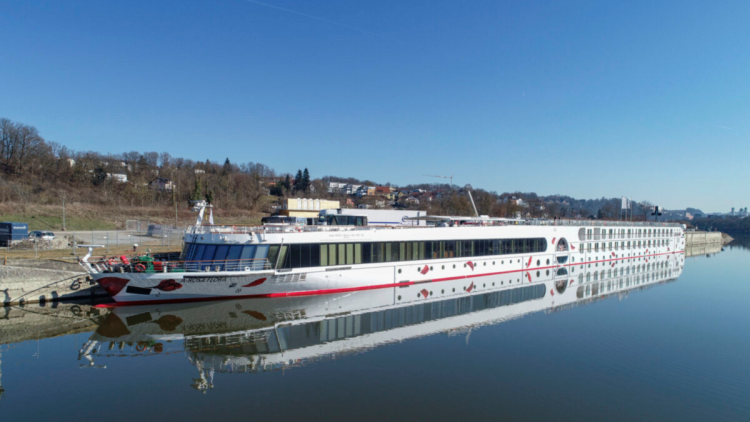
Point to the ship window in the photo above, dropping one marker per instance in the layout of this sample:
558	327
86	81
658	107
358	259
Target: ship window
208	254
283	257
349	253
198	254
233	257
332	254
357	253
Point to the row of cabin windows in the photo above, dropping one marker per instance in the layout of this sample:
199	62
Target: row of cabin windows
624	245
327	254
301	255
623	233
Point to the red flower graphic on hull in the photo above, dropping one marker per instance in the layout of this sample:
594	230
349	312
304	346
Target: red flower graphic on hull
425	270
168	286
257	282
113	285
425	293
471	265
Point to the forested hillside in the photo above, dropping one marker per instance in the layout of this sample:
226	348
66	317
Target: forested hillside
36	173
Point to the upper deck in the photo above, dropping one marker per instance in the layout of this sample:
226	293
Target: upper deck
451	222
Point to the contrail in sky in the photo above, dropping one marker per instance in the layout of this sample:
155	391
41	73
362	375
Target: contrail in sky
342	25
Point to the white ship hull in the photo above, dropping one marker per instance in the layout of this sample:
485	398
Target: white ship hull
415	278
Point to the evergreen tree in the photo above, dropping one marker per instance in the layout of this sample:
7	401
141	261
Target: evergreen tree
298	181
197	190
210	196
288	183
306	180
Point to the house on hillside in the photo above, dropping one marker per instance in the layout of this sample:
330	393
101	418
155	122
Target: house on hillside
514	200
336	187
161	184
118	177
365	191
351	189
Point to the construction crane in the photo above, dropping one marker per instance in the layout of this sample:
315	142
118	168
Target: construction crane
443	177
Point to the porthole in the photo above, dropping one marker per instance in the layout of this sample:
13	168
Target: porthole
547	272
548	262
454	290
493	284
443	267
502	262
464	265
419	270
430	268
485	264
454	266
493	262
418	294
399	270
537	273
502	283
399	297
464	287
538	262
484	285
430	293
442	291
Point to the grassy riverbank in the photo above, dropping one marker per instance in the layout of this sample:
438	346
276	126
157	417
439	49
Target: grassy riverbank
79	217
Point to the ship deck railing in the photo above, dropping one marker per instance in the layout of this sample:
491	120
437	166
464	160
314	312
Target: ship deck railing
112	265
253	229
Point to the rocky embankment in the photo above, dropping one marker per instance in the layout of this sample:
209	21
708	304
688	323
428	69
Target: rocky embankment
33	281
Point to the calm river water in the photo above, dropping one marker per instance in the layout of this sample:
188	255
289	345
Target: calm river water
665	345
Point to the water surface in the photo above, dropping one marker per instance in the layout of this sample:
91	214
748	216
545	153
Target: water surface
664	345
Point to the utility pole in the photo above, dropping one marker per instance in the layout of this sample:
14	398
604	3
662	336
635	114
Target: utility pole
63	211
174	199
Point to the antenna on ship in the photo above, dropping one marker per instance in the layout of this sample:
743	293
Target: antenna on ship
472	203
200	207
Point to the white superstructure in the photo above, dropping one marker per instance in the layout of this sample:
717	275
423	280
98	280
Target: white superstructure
222	262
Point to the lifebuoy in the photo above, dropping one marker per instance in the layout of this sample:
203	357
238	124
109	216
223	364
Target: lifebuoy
140	268
140	347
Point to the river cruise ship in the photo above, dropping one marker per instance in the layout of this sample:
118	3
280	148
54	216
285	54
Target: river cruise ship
230	262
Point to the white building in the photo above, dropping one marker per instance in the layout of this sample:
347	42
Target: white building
351	189
335	187
162	184
122	178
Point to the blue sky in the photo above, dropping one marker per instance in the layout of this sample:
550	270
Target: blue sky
594	98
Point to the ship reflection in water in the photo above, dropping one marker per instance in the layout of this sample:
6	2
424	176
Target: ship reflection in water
255	335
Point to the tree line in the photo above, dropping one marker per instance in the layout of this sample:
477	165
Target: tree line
34	170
